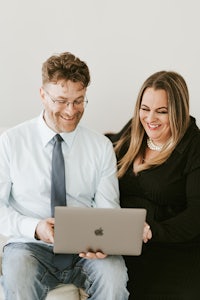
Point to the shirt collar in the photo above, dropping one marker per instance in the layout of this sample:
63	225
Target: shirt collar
47	133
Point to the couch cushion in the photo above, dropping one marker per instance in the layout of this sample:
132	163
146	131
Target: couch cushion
60	293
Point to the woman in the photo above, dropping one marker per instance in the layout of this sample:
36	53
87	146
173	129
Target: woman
158	155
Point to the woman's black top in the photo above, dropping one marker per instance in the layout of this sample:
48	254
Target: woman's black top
169	267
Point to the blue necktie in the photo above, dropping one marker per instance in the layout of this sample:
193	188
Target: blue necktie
58	190
58	195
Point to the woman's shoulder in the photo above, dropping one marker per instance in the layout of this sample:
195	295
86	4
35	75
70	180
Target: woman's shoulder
193	132
189	146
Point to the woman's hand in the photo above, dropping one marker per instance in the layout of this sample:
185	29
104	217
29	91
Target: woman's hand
147	233
93	255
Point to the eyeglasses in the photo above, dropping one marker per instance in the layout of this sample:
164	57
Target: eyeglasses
78	103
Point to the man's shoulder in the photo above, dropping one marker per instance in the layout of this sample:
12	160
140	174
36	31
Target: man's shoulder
20	130
92	134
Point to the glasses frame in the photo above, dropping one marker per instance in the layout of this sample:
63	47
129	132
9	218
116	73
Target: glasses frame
75	103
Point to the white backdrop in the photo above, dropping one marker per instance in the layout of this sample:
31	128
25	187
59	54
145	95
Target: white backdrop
123	43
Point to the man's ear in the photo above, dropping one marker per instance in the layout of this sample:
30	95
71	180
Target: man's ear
42	94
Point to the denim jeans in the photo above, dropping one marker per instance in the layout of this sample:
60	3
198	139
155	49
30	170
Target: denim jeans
29	273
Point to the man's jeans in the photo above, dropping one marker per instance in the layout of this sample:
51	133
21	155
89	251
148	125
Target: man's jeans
29	273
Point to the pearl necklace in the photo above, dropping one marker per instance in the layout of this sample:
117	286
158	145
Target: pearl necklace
152	146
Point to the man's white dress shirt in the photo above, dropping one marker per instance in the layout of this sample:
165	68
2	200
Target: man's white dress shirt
25	174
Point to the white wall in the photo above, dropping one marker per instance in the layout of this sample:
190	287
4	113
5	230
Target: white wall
123	42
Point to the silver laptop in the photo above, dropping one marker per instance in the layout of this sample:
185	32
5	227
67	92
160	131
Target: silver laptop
115	231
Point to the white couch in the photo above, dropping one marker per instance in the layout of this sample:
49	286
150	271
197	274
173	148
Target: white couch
63	292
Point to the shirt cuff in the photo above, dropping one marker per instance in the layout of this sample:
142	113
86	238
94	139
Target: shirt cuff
28	226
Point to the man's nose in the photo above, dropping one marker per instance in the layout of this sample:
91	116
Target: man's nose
70	108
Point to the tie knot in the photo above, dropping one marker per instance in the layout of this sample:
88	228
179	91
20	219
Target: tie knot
58	138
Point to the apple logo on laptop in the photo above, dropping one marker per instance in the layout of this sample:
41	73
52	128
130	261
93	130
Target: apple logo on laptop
98	231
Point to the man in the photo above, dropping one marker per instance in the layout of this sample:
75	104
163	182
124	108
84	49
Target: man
29	268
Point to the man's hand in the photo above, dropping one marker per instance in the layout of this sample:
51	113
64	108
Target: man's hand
93	255
147	233
45	230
